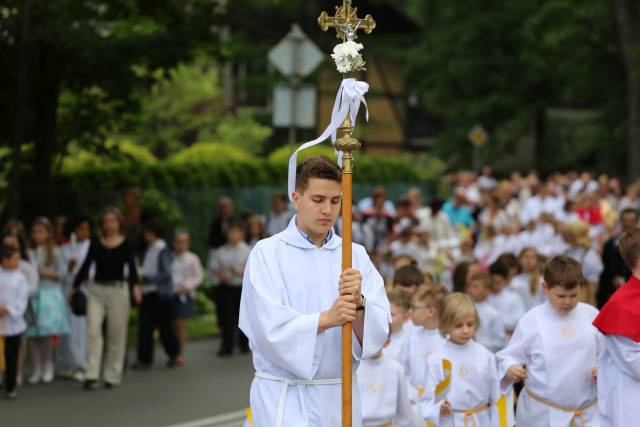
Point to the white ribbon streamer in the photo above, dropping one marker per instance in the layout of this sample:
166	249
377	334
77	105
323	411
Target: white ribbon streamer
348	100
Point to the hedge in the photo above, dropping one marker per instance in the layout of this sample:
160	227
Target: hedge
218	173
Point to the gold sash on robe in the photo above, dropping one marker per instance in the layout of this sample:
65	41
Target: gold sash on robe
469	414
577	413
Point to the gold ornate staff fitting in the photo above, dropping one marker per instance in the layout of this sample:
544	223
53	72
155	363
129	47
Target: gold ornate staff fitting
346	24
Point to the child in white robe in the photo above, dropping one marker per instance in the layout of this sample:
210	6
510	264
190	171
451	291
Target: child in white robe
400	303
528	283
554	351
619	364
383	392
423	340
14	294
491	331
471	396
503	299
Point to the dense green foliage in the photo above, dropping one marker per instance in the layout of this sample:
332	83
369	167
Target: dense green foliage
114	84
504	64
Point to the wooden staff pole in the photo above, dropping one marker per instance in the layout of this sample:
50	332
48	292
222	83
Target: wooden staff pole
347	144
346	23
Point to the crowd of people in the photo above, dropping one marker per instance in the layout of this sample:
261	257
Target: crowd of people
480	264
131	261
502	282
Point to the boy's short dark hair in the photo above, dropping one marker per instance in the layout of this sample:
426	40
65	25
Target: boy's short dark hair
318	167
408	276
499	268
483	277
236	225
509	260
563	271
629	246
154	225
7	251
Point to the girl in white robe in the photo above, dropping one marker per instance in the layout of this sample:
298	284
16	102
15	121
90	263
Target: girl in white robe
384	393
469	368
554	349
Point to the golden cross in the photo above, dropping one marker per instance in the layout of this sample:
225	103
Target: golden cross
346	22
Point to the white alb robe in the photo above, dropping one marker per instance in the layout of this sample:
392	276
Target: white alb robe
619	381
510	307
491	332
559	352
396	345
474	383
288	281
420	344
384	393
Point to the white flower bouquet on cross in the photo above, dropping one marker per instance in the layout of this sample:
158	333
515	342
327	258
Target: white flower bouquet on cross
348	58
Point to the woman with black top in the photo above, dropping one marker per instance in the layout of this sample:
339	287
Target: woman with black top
108	296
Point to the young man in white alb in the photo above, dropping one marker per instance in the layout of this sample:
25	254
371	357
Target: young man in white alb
295	298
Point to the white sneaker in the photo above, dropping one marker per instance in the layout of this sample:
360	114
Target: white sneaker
35	378
47	377
79	376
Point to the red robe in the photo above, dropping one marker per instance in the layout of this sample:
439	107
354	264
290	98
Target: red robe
621	315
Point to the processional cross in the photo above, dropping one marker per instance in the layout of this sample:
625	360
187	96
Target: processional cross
346	24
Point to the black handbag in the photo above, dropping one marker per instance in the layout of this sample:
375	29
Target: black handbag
30	314
78	303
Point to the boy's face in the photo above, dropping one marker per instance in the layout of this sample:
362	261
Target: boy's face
11	263
398	317
318	206
421	313
499	282
462	330
181	243
235	235
561	299
149	236
477	290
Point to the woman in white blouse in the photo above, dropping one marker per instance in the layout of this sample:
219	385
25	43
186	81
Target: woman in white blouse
187	274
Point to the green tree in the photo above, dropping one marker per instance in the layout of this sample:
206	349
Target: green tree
182	107
77	48
628	13
503	64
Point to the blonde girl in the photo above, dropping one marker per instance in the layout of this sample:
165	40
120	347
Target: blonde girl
468	367
49	304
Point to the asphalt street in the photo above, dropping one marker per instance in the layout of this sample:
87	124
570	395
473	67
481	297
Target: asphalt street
208	391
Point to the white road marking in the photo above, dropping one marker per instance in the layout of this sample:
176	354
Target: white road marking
231	419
